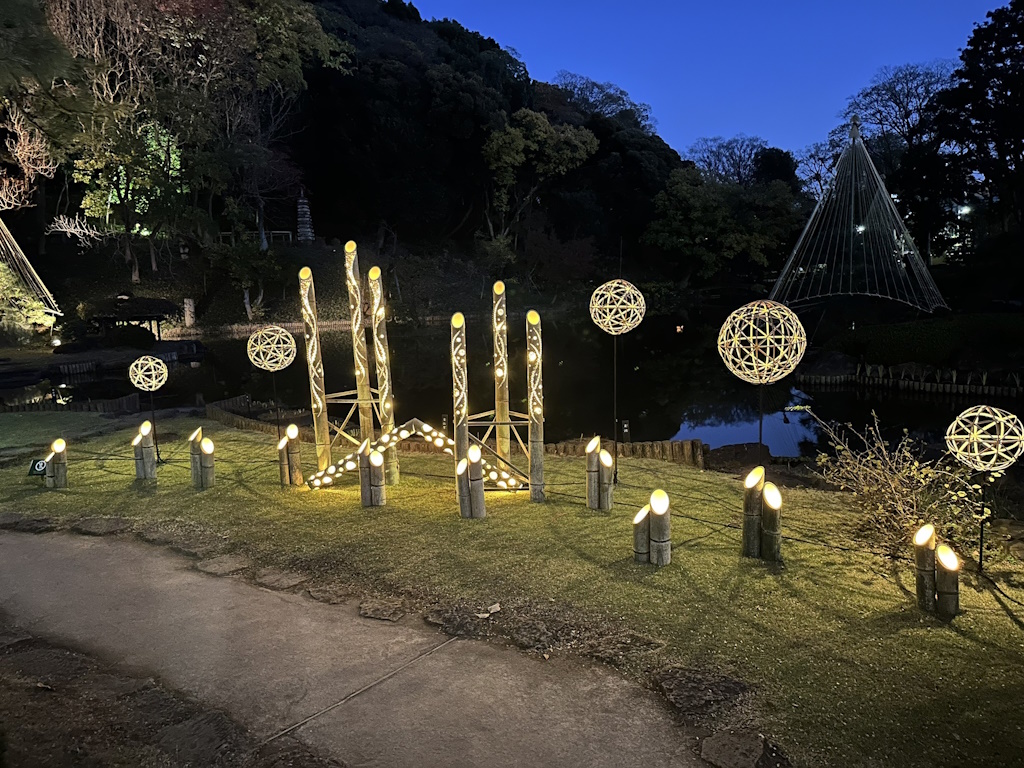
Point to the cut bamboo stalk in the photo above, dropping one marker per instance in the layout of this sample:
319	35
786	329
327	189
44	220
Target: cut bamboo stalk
593	462
206	463
462	489
57	465
753	487
771	524
365	497
282	461
378	495
947	582
148	446
924	561
476	482
661	529
606	474
194	453
294	455
140	470
642	535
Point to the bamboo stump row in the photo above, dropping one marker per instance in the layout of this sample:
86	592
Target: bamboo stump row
762	518
937	575
689	452
600	476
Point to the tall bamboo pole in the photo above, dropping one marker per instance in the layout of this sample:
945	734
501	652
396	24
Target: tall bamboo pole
499	324
535	404
382	360
354	280
460	393
318	401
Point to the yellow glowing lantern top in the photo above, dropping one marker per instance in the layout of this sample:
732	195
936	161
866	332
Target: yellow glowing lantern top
148	373
271	348
207	446
350	246
137	440
593	445
499	288
925	536
473	454
146	428
282	443
659	502
292	431
756	476
771	496
986	438
376	458
59	445
197	434
617	307
305	273
374	273
947	558
762	342
606	458
641	514
461	468
458	320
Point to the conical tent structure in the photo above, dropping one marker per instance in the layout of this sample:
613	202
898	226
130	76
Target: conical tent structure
856	243
12	256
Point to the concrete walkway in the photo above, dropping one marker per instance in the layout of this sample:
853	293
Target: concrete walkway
366	692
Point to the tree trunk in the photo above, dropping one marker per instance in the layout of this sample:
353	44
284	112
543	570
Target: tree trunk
248	304
152	256
132	260
261	227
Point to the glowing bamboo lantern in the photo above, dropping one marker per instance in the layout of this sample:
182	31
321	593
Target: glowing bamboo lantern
535	404
363	457
294	455
462	493
382	360
282	462
140	470
947	582
771	524
460	387
476	482
606	473
924	561
642	535
593	473
753	487
194	453
206	463
499	326
57	464
378	496
661	529
315	363
355	308
145	464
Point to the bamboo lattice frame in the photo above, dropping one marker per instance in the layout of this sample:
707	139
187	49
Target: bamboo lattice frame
148	373
762	342
617	307
271	348
986	438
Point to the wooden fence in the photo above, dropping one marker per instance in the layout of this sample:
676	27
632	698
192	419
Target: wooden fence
128	403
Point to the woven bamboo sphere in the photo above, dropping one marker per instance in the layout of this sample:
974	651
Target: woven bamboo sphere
271	348
762	342
617	307
148	373
986	438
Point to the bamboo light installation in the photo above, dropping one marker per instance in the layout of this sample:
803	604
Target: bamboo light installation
535	403
605	476
771	524
195	451
382	360
289	457
355	307
924	562
145	453
642	535
986	439
753	487
206	464
499	326
762	342
149	373
661	529
460	393
272	349
57	464
617	307
462	492
378	496
476	482
593	474
947	582
314	361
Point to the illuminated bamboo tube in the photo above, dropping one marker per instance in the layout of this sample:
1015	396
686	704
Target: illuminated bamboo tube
315	364
354	281
947	582
294	455
924	562
382	361
206	463
147	446
771	524
462	494
753	487
140	470
363	457
282	462
477	505
499	326
194	453
661	529
378	496
642	535
460	393
535	404
593	472
57	465
606	474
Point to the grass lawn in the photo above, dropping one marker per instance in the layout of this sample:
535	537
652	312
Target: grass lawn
845	670
22	430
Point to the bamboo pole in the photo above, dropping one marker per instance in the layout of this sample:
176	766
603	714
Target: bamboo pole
140	469
477	505
206	463
382	362
593	481
947	582
315	363
771	524
294	460
57	465
148	446
606	472
282	462
365	494
535	403
642	535
499	327
354	281
462	494
661	529
194	453
460	388
753	487
378	495
924	561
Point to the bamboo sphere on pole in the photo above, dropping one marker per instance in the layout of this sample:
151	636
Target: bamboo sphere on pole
593	469
499	327
315	364
986	439
642	535
753	487
382	361
606	473
535	403
206	463
771	524
947	582
762	342
661	529
924	563
462	494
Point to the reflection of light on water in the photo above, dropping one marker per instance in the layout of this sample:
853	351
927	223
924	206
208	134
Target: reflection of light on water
783	432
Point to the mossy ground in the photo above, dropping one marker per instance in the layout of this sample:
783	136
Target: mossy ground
845	670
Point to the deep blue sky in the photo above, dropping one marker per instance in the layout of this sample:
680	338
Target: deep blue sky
779	69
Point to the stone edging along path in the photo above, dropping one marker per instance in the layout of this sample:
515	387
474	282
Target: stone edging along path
539	634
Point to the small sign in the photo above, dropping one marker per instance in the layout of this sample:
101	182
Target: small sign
625	430
37	468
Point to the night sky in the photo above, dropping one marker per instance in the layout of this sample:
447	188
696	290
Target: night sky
781	70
